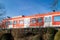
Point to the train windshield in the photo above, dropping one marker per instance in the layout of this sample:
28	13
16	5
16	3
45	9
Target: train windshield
57	18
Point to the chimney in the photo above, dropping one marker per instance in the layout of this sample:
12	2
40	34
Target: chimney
53	10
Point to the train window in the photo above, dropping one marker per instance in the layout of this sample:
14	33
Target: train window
7	23
47	19
56	18
33	20
21	21
14	22
11	22
39	19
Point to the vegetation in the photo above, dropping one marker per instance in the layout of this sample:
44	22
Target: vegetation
49	34
6	37
57	36
43	34
37	37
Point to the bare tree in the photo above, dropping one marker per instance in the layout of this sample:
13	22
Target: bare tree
54	4
2	14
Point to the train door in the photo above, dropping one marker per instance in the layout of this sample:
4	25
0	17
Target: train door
10	24
47	21
26	22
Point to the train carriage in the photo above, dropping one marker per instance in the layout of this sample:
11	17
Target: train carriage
51	19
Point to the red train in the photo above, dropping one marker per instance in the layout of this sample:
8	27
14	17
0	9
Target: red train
51	19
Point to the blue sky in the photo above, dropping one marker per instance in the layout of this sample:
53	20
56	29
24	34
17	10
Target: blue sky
28	7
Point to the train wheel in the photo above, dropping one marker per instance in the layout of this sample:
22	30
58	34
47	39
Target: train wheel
6	36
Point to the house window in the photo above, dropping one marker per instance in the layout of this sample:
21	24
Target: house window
11	22
33	20
39	19
21	21
56	18
15	22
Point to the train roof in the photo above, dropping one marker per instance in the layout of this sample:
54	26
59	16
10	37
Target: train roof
32	16
49	13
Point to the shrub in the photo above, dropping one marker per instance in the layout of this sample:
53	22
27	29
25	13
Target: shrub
37	37
57	36
6	36
49	34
